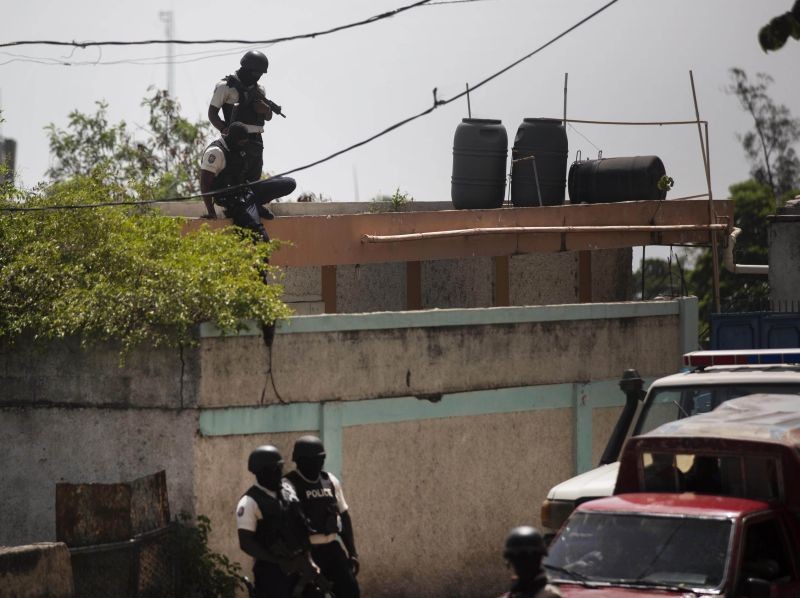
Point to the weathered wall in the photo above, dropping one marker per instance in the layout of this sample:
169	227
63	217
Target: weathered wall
43	446
432	500
416	361
36	571
511	400
784	258
534	279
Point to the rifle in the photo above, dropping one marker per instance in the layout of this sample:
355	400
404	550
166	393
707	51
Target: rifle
274	107
258	97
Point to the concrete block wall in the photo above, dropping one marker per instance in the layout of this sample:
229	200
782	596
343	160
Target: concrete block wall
534	279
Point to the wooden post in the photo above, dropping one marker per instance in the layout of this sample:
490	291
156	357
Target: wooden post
413	285
329	288
711	216
502	291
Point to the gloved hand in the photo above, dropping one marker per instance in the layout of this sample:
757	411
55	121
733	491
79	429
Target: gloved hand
354	564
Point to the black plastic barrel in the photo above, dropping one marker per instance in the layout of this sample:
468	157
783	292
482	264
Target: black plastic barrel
616	179
480	148
546	140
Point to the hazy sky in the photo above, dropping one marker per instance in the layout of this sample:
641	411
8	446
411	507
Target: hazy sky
631	62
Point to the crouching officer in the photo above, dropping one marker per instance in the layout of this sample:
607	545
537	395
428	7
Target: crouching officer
224	165
523	552
321	497
272	529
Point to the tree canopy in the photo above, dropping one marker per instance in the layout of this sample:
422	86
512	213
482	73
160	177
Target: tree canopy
123	273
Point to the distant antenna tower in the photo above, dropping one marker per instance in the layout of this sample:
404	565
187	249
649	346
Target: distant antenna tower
168	17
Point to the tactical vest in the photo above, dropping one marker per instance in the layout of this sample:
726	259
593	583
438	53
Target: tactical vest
273	510
319	502
281	519
243	111
236	165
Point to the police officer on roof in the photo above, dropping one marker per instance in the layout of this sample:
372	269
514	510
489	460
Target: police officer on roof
224	165
523	552
321	497
272	529
242	99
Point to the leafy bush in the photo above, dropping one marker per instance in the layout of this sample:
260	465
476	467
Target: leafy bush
123	273
202	573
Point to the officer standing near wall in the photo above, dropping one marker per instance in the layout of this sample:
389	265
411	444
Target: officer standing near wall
272	529
242	99
321	497
224	165
524	551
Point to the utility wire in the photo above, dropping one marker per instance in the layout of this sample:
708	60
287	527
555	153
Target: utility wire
87	44
436	103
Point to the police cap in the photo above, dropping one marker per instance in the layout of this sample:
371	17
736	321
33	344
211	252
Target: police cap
524	540
308	446
264	457
255	61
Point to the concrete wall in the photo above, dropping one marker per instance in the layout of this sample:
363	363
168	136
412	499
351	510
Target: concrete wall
784	258
534	279
447	426
36	571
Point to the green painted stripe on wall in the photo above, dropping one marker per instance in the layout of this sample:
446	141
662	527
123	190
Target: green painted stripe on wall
313	416
269	419
473	317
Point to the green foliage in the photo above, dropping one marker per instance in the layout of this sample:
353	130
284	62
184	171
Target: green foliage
773	35
120	273
753	202
165	163
662	278
769	147
394	203
202	573
665	183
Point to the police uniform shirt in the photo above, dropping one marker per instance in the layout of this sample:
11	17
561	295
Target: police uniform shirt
223	94
341	504
214	159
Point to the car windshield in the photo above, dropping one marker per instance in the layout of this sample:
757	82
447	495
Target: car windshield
627	549
664	405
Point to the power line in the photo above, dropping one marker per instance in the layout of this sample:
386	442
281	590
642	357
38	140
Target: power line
87	44
436	103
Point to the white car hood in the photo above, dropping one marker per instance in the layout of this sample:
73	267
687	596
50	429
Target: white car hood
594	483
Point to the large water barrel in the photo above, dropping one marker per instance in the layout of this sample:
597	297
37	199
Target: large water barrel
480	148
546	140
616	179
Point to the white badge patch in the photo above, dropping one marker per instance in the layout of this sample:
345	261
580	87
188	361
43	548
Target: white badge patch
212	158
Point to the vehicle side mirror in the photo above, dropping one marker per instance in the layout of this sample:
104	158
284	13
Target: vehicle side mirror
757	588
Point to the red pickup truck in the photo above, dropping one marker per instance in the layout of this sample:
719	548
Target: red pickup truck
706	505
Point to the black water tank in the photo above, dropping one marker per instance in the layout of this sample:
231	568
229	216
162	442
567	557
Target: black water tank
546	140
616	179
480	148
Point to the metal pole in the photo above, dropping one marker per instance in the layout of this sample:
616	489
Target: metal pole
536	178
711	215
469	107
168	18
566	76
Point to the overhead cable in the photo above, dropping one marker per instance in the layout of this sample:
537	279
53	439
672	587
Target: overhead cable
146	42
436	103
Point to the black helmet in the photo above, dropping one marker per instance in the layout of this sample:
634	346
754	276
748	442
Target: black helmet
308	446
524	540
255	61
264	457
